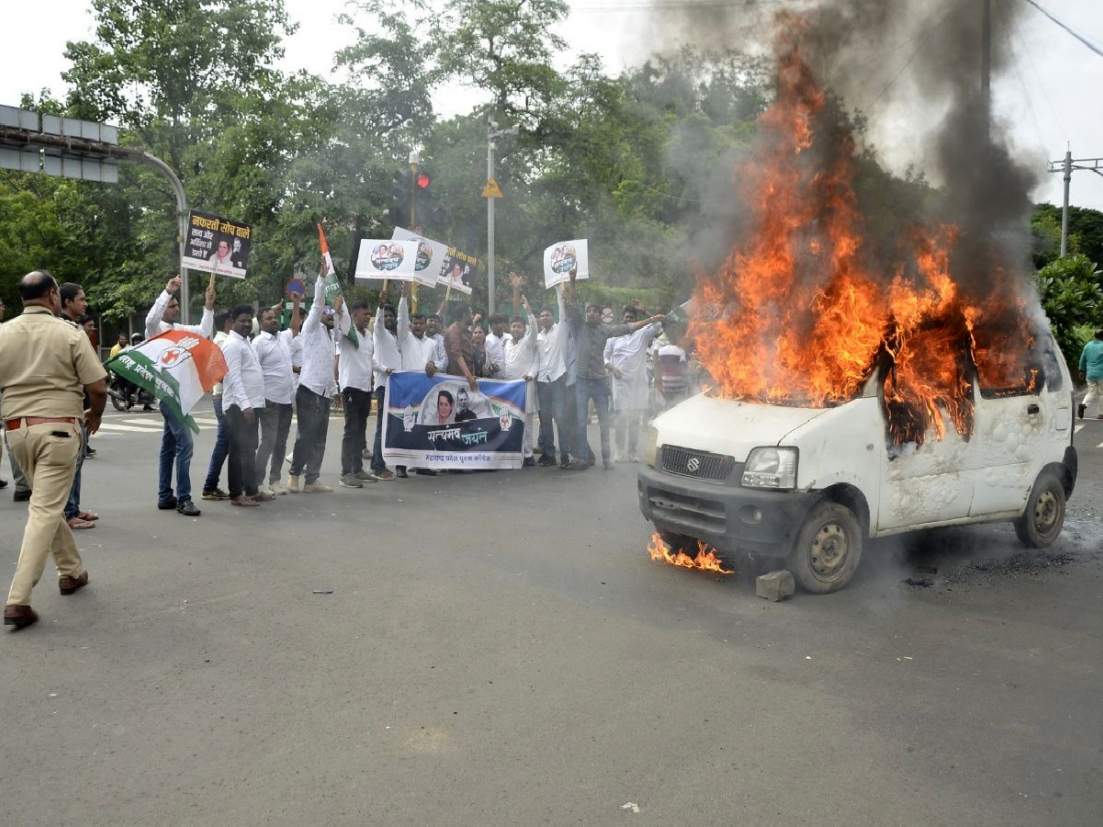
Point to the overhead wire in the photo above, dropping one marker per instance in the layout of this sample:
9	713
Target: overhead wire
1067	28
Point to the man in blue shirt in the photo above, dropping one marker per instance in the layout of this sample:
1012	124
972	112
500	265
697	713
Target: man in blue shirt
1091	365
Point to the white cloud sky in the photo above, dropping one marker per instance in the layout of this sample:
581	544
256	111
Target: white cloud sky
1051	97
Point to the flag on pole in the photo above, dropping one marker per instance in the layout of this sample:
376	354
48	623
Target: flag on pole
177	367
333	287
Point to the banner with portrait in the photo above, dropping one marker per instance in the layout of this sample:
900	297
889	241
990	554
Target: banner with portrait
438	422
459	271
216	245
386	259
431	259
562	257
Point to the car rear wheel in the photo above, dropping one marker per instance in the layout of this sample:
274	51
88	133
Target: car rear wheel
1044	516
827	549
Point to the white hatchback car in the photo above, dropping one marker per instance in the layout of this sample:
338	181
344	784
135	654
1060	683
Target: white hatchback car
810	484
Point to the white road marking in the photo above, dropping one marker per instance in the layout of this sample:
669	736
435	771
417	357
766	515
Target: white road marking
111	426
1079	428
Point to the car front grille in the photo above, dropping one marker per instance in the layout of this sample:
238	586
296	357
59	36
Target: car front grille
700	465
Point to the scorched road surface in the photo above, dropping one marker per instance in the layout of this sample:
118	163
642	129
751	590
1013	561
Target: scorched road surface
498	649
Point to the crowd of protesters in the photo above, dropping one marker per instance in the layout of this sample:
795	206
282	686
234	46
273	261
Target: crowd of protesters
573	359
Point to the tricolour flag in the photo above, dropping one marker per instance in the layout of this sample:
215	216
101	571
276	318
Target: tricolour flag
177	367
333	287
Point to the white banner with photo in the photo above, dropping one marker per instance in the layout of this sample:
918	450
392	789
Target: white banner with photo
562	257
386	259
431	259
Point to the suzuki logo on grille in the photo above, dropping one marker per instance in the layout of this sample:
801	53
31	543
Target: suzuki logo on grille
693	465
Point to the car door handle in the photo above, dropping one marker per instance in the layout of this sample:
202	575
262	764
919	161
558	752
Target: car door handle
1033	409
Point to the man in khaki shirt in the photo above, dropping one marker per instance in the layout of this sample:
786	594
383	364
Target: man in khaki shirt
46	366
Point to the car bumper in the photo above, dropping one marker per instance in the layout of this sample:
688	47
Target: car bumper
731	518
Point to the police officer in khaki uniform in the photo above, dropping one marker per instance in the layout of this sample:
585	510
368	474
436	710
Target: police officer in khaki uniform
46	366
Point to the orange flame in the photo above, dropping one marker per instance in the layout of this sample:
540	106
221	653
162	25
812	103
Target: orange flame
803	318
704	560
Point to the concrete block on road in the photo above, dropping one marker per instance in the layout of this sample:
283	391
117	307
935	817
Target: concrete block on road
775	586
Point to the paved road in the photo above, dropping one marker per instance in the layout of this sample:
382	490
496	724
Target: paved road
499	649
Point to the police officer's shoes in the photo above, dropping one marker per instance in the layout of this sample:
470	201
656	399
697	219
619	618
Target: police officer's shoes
19	616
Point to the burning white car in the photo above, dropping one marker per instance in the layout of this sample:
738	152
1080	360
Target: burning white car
810	484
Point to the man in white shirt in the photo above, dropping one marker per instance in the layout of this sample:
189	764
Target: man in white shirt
357	380
316	389
176	440
496	343
433	327
242	398
274	349
519	361
418	351
626	359
551	383
211	491
387	361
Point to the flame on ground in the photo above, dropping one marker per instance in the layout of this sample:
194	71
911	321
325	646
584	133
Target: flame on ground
704	560
807	319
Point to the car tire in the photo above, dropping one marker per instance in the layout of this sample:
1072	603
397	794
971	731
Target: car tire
1044	516
827	549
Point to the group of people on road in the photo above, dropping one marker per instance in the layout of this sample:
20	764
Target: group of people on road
297	372
54	389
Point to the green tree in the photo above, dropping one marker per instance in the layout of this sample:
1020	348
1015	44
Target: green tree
1073	301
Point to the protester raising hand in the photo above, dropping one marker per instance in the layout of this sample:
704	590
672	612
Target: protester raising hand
208	294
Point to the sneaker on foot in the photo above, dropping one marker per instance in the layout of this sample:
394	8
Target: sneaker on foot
401	473
545	461
316	488
383	476
366	476
187	508
165	505
528	463
263	496
243	501
351	481
293	484
215	494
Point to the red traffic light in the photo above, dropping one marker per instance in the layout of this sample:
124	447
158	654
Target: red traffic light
423	181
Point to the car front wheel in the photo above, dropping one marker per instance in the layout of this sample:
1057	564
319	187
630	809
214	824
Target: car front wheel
827	549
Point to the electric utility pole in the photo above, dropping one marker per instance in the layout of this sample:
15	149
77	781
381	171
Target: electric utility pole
491	192
986	67
1066	167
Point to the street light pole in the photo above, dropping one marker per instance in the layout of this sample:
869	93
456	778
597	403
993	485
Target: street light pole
181	224
492	133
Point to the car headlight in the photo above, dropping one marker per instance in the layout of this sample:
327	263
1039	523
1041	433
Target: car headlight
650	446
771	468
